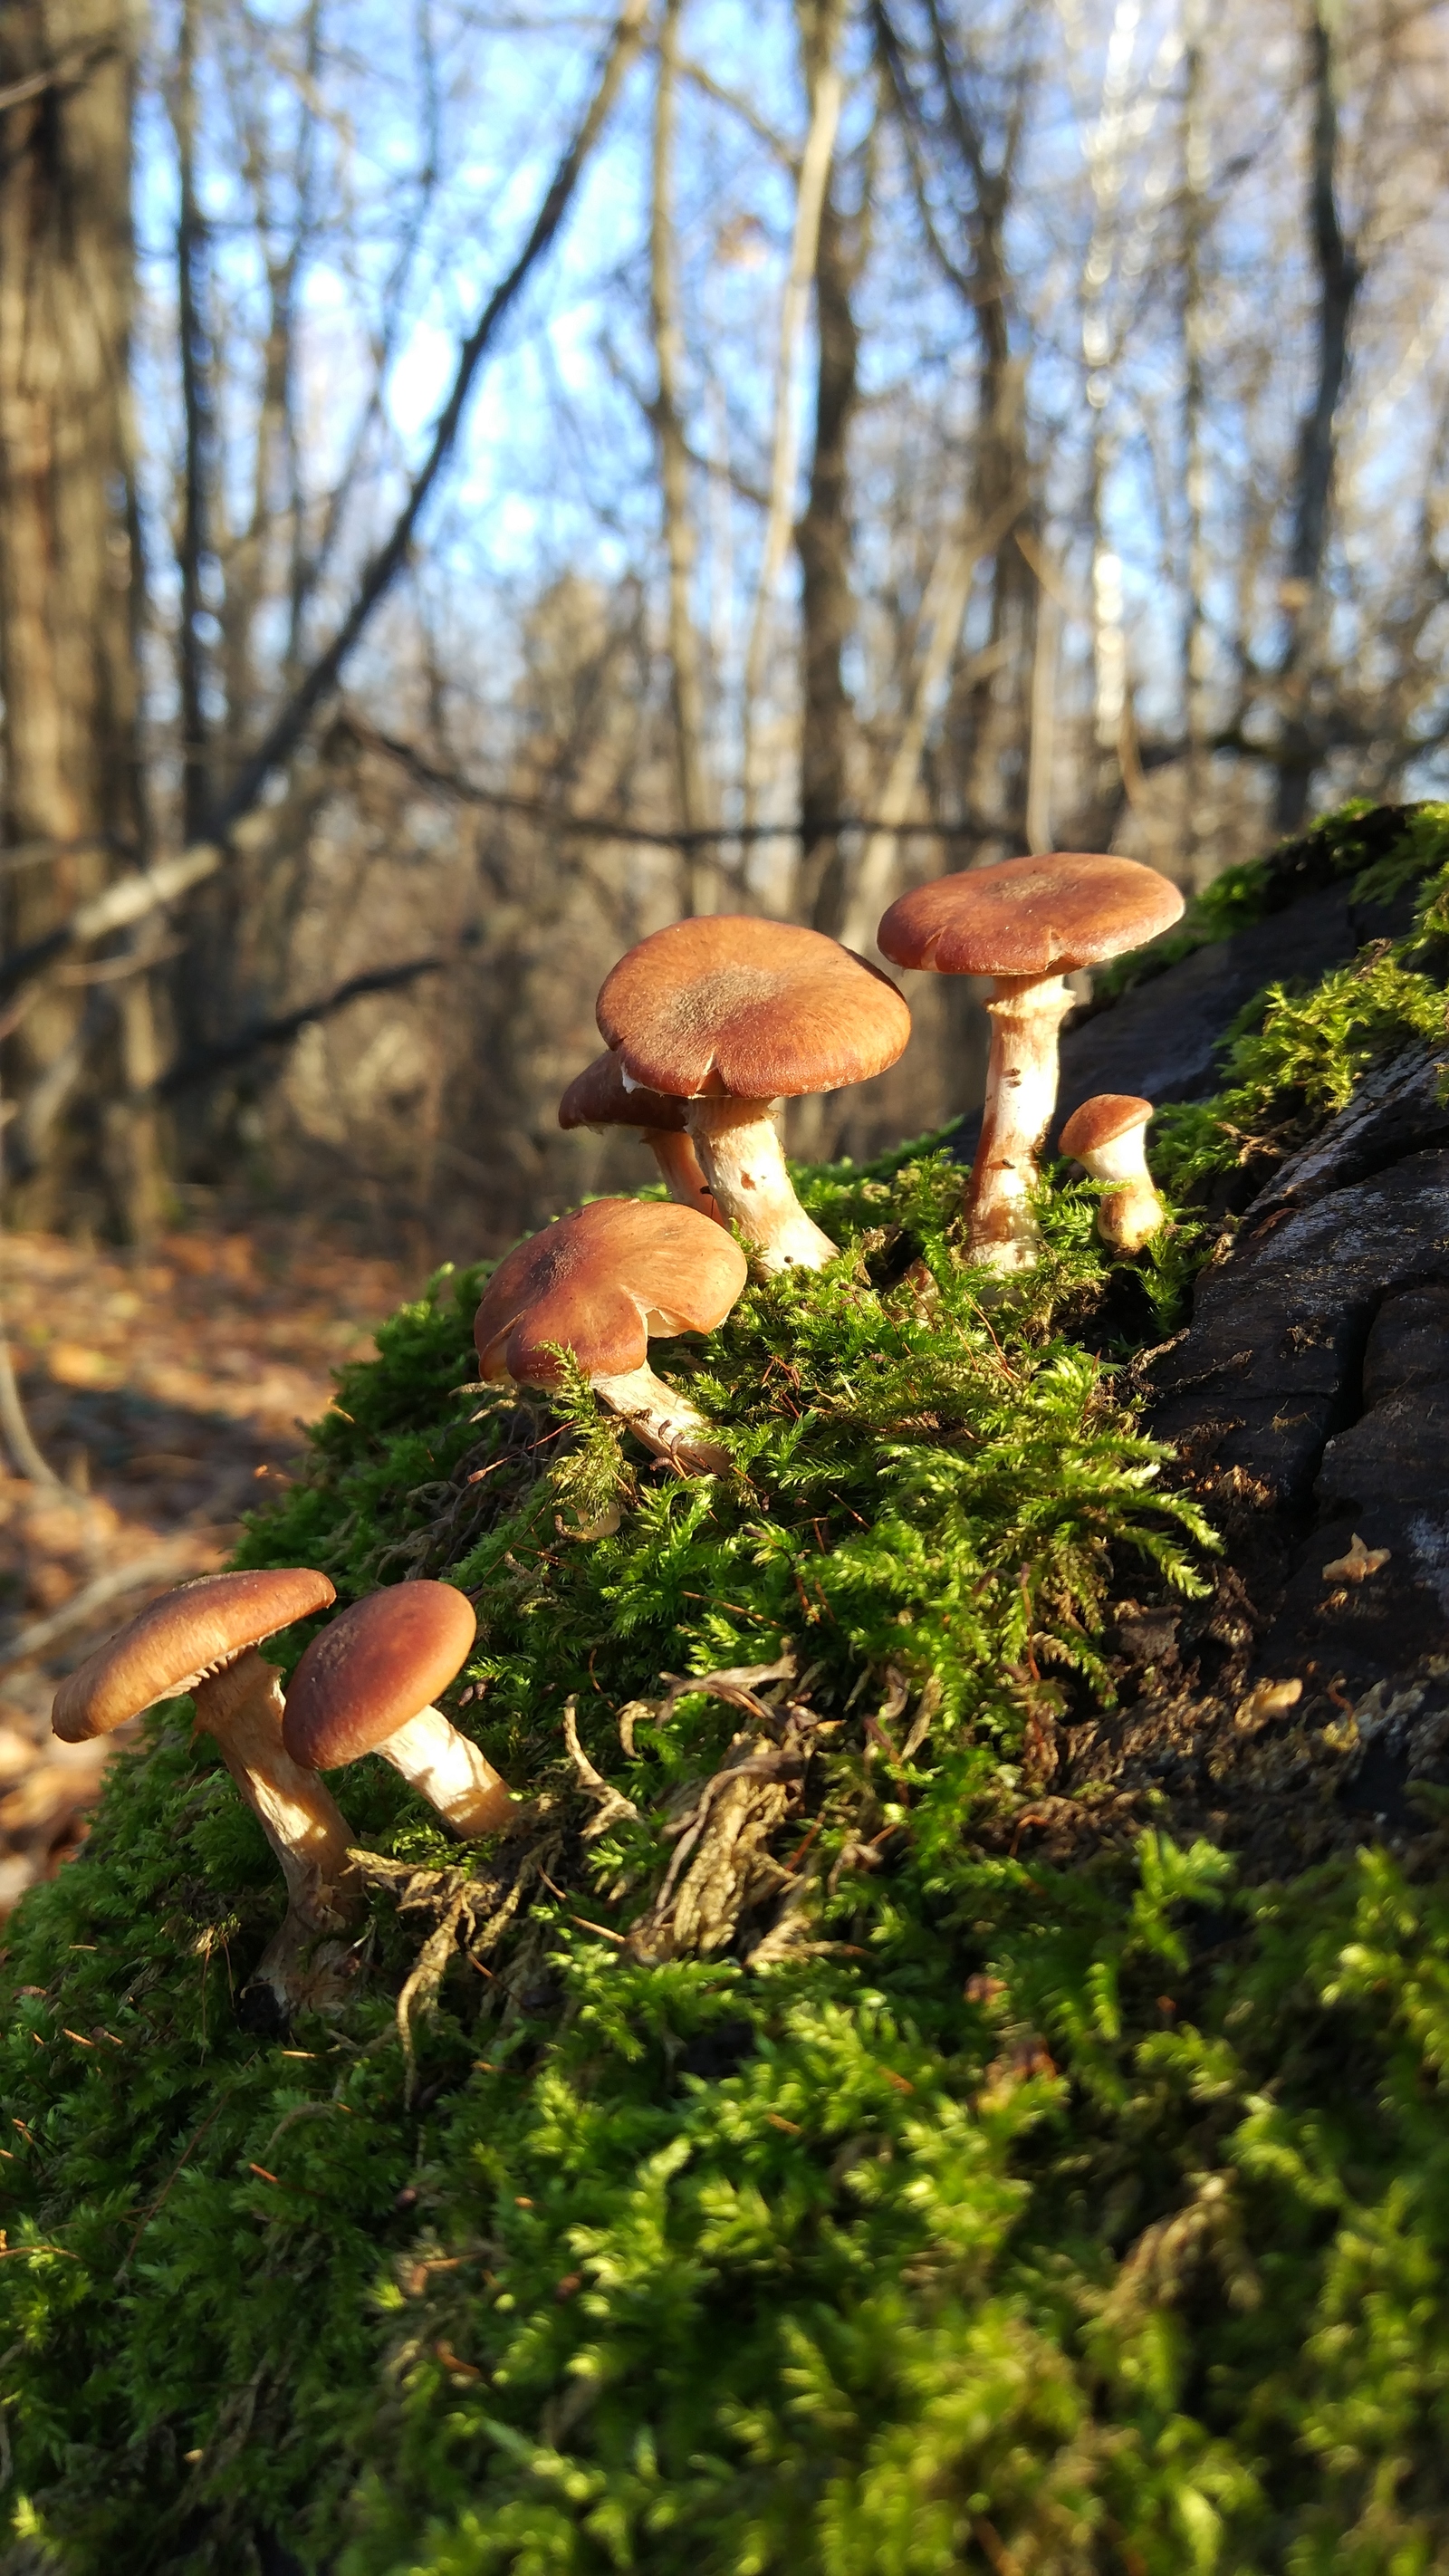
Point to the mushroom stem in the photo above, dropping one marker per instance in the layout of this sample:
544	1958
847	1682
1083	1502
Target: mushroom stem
745	1167
241	1706
679	1169
447	1769
666	1423
1131	1213
1021	1088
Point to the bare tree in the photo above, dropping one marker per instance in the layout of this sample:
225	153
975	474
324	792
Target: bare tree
1339	278
685	656
823	536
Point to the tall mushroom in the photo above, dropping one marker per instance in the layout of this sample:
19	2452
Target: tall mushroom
599	1284
1027	924
599	1097
367	1684
1108	1137
202	1640
729	1014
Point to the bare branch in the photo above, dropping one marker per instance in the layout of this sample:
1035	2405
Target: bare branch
68	73
206	1063
292	720
134	897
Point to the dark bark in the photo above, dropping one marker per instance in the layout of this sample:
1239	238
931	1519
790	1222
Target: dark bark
66	534
199	443
1339	278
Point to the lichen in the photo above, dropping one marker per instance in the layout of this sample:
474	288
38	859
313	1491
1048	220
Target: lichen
750	2163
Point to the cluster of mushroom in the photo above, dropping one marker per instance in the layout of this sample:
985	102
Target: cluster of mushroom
1027	925
366	1684
710	1023
707	1025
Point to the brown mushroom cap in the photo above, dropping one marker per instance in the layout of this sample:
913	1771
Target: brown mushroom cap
178	1641
1029	916
373	1668
599	1283
730	1007
1101	1121
597	1098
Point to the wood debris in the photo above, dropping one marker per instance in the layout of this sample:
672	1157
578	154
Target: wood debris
1357	1564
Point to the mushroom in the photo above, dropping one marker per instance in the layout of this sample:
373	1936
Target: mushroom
1108	1137
729	1014
202	1639
1027	923
599	1284
367	1684
599	1097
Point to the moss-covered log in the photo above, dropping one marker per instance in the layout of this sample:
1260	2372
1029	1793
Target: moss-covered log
889	2105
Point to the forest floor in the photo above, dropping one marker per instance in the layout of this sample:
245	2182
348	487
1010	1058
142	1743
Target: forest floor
168	1392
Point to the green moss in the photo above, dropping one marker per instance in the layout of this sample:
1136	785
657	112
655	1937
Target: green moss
988	2216
1295	1059
1384	849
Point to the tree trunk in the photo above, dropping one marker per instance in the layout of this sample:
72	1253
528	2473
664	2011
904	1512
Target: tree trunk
1339	278
823	539
697	885
67	556
198	446
1195	174
997	713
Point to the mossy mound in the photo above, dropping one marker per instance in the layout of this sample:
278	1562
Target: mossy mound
751	2163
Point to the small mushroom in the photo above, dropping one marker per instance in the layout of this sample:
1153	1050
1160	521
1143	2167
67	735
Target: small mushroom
599	1097
599	1284
1108	1137
729	1014
1027	924
367	1684
202	1639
